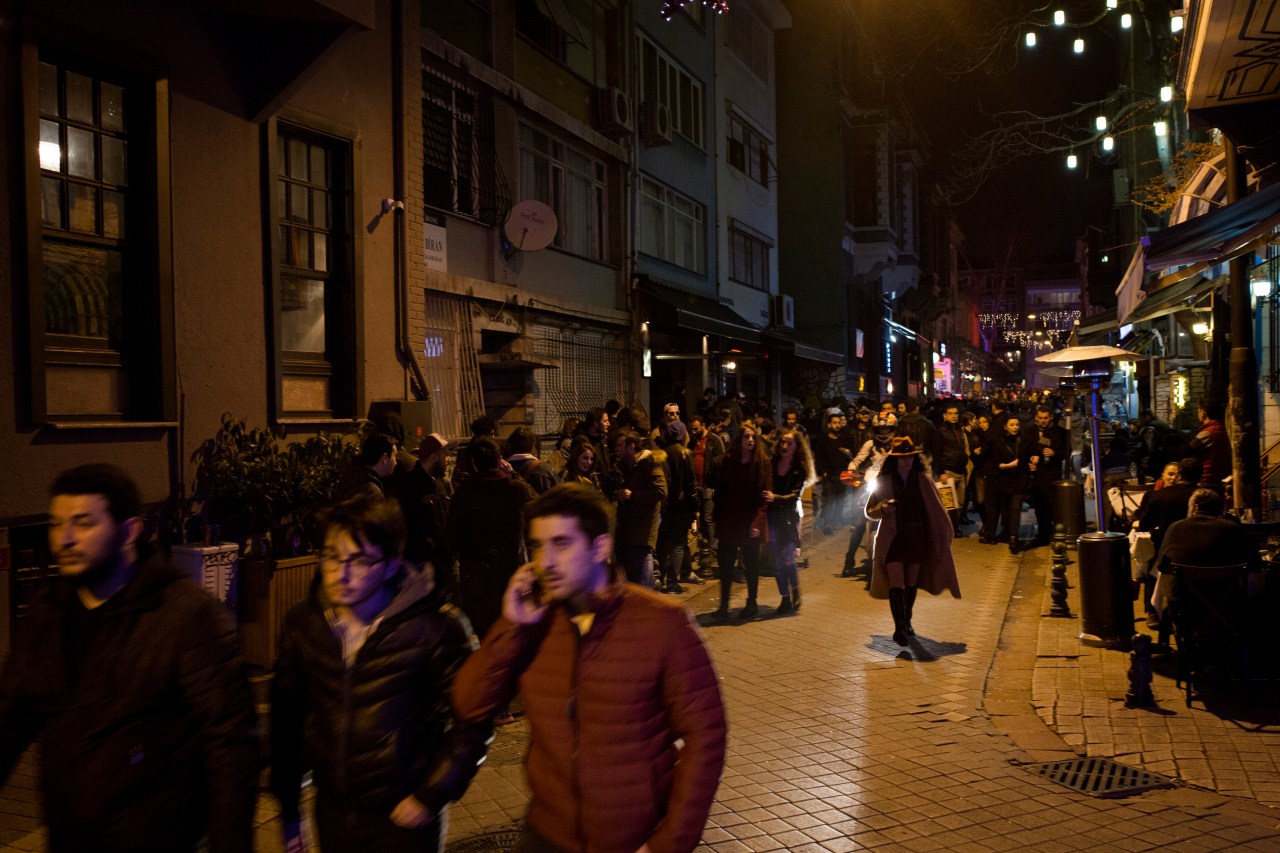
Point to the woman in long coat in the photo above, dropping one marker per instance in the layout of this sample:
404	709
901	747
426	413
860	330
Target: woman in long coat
792	467
741	485
913	538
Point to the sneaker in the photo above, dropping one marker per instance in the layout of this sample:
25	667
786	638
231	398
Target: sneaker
751	611
673	587
692	579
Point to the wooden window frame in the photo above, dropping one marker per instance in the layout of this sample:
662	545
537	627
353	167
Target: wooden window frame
148	359
344	312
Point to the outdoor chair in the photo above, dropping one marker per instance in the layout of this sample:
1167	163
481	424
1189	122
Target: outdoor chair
1209	612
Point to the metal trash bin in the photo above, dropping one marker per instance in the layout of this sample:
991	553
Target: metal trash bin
1068	508
1106	590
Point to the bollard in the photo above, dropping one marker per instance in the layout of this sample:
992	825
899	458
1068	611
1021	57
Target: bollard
1058	584
1140	695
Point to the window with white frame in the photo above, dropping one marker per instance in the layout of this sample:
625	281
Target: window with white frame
665	82
672	226
748	39
748	258
747	150
573	184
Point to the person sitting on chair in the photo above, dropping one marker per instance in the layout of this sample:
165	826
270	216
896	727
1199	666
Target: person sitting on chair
1203	538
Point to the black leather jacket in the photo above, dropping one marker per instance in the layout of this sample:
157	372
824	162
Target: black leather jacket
379	730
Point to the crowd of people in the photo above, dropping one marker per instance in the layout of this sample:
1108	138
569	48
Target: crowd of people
444	591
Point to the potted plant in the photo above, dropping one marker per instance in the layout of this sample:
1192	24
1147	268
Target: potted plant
265	493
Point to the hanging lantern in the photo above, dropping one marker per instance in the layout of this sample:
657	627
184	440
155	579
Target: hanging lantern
1059	18
1166	93
1031	39
1071	161
1126	21
1078	47
1100	123
1108	142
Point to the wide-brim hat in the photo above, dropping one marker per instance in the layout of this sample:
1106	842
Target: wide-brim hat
902	445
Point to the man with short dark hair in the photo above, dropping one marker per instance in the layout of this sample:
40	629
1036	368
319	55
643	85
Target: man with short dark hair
463	466
596	428
1203	538
628	727
377	461
707	452
1044	448
831	458
131	677
1211	445
950	452
361	694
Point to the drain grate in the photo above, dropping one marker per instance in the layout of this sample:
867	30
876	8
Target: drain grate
488	842
1101	777
510	743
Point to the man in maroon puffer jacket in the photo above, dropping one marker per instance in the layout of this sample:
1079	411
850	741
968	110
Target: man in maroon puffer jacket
627	725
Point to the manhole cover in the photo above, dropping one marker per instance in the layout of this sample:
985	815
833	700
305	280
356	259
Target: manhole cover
1101	777
489	842
510	743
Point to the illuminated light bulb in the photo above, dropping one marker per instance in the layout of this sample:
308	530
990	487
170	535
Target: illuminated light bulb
1031	39
1175	24
1106	258
1126	21
1166	93
1261	288
1108	142
1162	129
1059	18
1071	161
1100	122
1200	329
1078	47
1112	4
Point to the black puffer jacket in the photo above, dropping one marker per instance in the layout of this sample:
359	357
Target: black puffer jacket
379	730
151	739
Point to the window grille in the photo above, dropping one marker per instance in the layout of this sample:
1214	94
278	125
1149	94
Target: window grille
451	367
593	370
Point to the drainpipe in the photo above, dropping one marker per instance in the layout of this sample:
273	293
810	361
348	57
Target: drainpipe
416	383
1242	413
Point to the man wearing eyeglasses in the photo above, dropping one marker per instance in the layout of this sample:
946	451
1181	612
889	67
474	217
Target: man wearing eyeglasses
361	694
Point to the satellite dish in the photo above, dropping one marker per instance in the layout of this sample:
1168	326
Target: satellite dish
530	226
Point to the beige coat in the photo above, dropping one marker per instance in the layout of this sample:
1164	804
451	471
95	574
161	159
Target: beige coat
938	571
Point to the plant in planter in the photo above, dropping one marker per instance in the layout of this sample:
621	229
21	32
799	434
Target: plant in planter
267	492
260	488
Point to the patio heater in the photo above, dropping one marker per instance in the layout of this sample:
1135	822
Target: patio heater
1106	608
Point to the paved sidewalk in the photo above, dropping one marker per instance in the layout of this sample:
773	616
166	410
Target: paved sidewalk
840	740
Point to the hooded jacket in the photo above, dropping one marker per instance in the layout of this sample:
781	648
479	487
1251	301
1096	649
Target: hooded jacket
380	729
639	514
149	737
604	767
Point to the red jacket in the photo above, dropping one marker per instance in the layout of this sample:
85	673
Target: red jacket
605	712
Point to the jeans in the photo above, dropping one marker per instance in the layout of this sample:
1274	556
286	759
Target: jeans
706	521
673	542
637	562
784	568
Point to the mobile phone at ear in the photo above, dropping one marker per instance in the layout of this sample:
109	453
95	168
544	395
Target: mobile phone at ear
534	594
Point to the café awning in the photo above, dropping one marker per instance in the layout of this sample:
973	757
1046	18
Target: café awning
1217	236
703	314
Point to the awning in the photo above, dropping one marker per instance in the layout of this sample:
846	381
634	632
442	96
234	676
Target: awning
1103	321
825	356
703	314
1217	236
1175	297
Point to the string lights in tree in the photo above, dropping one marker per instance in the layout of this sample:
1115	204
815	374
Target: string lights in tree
671	7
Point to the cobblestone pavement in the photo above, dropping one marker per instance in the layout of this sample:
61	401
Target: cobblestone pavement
840	740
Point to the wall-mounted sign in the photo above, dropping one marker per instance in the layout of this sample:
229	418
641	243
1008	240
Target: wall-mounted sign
436	243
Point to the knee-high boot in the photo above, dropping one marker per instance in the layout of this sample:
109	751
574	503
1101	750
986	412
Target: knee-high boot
909	603
897	606
725	569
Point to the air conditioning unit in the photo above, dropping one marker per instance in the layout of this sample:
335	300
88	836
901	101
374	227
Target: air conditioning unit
615	110
784	311
655	124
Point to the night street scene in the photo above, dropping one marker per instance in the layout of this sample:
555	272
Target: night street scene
639	426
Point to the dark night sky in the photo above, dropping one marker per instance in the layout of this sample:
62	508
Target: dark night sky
1035	203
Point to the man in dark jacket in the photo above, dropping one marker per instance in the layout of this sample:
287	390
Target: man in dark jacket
132	678
1159	509
677	516
361	694
1203	538
831	458
486	532
376	462
1044	448
641	493
913	423
950	454
707	452
634	763
424	499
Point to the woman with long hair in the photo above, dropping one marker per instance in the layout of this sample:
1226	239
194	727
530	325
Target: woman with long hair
913	538
792	469
582	466
739	515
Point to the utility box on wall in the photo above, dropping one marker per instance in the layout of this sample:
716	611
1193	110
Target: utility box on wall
414	414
